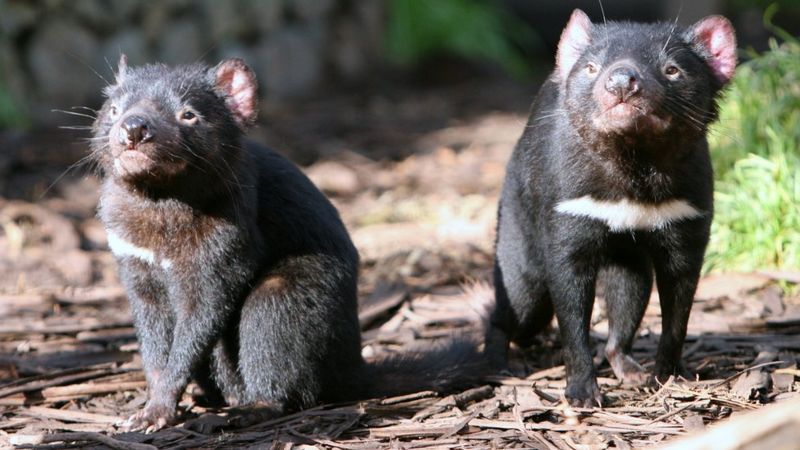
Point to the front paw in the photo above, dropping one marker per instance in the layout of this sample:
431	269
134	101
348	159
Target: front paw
627	369
151	418
584	394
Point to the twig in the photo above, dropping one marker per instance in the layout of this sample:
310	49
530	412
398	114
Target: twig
41	384
408	397
36	439
67	415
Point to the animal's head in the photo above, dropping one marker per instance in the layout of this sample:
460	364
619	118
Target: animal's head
161	123
634	79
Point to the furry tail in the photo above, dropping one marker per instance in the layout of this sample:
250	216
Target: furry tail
455	365
448	365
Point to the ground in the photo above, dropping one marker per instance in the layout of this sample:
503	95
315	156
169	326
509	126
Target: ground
415	173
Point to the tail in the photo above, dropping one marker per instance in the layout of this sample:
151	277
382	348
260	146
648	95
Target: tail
446	367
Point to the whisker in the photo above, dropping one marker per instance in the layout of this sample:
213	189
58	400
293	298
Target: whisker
696	110
73	113
672	30
86	159
541	118
86	108
605	22
80	60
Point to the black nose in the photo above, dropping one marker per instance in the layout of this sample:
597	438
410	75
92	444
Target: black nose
137	130
623	82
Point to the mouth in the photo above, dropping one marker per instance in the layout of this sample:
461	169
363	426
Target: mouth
132	162
625	117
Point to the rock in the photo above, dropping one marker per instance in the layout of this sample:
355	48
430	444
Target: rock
129	41
75	266
334	178
17	16
39	228
94	14
348	54
310	9
94	235
372	23
231	19
155	21
289	62
124	10
53	47
177	5
182	43
267	14
59	57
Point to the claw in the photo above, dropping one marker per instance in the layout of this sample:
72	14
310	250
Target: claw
584	395
150	419
628	370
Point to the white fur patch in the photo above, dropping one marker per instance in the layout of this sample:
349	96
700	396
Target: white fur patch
121	248
627	215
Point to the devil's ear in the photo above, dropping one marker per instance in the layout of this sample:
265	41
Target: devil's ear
237	84
574	40
717	45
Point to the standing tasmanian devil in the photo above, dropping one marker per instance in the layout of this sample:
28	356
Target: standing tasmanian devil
611	178
239	272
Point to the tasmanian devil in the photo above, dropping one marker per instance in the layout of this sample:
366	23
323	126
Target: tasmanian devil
240	273
611	178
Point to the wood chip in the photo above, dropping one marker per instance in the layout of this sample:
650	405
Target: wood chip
67	415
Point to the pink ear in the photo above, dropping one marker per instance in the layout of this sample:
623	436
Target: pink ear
238	83
716	35
574	39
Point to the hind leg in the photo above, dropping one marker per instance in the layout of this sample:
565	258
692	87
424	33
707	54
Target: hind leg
499	325
209	393
299	336
627	290
522	309
677	273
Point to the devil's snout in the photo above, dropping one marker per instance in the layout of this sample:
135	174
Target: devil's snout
135	130
623	82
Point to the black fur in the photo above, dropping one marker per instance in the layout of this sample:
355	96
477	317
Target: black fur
548	262
250	283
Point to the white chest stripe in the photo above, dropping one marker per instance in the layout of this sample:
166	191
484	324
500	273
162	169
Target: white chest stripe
121	248
626	215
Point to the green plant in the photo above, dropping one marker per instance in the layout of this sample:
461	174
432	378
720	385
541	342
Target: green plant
473	29
11	116
756	152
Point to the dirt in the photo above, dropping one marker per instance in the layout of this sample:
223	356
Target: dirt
415	173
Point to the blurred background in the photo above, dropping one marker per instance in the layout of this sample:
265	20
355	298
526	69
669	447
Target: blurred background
403	111
54	53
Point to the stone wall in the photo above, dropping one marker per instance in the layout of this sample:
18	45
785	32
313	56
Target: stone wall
54	53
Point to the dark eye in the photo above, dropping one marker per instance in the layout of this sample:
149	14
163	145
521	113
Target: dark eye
188	117
672	71
113	111
591	68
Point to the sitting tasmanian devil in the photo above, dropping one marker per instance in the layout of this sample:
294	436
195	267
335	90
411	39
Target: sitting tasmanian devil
239	272
611	178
